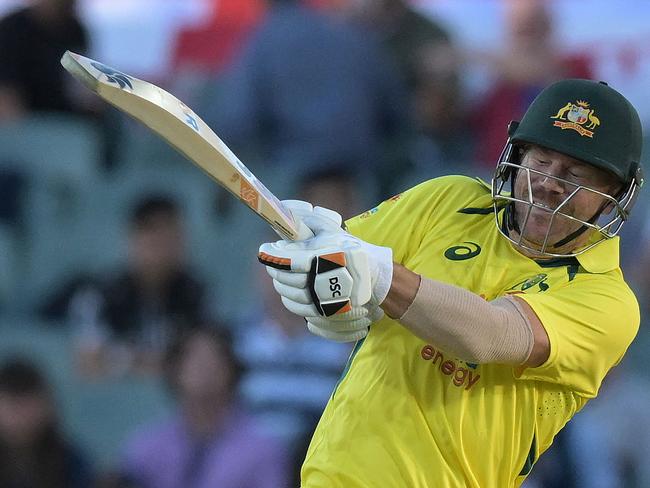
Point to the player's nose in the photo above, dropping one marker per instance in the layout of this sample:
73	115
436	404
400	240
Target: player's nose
549	182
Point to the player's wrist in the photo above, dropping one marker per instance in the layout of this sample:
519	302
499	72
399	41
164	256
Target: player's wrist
403	289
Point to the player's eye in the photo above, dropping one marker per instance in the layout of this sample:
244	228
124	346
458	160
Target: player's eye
538	163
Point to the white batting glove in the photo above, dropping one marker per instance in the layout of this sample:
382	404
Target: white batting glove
318	219
345	326
346	322
333	274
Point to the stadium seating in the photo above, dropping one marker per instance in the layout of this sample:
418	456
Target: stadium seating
59	156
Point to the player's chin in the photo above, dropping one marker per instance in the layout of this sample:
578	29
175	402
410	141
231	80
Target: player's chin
537	224
537	232
540	235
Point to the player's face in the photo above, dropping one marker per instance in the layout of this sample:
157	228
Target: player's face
556	181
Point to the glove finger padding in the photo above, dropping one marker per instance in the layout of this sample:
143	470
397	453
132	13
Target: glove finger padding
295	280
295	294
297	255
353	314
340	325
304	310
288	256
351	336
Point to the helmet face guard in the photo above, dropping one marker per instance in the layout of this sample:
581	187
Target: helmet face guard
604	225
592	123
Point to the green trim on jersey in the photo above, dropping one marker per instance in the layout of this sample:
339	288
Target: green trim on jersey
530	459
476	211
353	353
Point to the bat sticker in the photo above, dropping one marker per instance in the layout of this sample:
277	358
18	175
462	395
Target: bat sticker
190	117
249	195
114	76
191	121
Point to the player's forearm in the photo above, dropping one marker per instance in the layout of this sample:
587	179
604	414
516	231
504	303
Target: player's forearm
403	288
459	321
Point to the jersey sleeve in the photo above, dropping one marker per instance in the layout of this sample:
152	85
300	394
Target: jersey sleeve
590	324
401	222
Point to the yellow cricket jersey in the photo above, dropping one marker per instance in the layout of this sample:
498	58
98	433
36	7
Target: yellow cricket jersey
408	414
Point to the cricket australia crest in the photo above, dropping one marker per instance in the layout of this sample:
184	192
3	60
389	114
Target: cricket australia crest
577	116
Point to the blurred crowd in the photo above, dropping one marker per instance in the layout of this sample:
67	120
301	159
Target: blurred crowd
142	346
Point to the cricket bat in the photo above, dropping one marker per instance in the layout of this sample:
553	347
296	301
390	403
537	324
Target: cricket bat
177	124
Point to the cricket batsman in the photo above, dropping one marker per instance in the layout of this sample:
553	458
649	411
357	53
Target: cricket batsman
485	316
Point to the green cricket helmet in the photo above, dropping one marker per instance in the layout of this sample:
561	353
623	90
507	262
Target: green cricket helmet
589	121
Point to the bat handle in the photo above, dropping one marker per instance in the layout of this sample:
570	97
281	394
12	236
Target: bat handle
304	232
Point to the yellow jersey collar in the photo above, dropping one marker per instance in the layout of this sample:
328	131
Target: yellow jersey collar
601	258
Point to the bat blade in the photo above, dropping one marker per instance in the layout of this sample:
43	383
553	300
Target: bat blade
188	133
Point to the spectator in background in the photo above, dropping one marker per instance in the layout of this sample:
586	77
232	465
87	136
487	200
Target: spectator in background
309	86
423	52
335	185
403	31
33	39
127	321
209	442
531	60
33	451
441	145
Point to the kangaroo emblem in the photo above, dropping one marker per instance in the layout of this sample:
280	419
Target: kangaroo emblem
560	113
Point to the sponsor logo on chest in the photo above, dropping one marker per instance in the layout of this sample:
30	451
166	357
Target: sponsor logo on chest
461	374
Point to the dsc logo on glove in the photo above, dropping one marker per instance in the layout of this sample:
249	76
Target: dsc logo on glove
335	286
